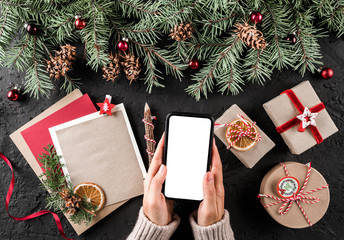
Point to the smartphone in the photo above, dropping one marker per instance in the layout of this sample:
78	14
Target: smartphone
187	154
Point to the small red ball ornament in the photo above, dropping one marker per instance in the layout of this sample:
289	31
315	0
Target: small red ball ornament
291	38
32	29
122	45
14	94
193	64
256	17
80	23
326	73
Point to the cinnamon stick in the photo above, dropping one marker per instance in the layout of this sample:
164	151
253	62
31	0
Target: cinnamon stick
149	132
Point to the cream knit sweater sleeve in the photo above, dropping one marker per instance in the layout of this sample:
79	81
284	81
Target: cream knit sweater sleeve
145	229
220	230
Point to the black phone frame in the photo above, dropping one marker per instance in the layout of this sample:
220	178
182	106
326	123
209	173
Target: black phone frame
187	114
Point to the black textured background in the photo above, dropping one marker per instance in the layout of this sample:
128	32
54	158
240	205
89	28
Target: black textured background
248	218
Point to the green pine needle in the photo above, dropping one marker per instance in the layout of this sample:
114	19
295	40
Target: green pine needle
147	25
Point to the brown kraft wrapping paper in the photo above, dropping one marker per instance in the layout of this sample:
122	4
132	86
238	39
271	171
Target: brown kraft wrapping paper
294	217
280	109
250	157
101	151
19	141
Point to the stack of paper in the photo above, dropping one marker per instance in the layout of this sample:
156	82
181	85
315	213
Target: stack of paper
94	148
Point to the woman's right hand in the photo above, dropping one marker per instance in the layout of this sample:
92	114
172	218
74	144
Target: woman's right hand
211	209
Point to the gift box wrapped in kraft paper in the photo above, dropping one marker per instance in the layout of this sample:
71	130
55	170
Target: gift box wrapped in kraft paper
300	117
257	148
294	194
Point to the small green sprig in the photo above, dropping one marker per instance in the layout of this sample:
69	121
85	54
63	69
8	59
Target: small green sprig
54	181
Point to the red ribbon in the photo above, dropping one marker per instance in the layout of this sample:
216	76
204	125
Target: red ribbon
300	108
31	216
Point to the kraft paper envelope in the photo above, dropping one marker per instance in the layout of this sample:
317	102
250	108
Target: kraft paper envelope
19	141
101	149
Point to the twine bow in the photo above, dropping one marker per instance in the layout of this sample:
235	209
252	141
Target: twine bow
240	133
297	197
146	137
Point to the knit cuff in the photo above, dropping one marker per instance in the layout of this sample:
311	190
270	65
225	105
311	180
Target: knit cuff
216	231
145	229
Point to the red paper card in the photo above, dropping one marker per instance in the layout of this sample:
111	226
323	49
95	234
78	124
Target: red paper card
37	136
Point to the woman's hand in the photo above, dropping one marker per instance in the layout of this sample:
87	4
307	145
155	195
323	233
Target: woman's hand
156	208
211	209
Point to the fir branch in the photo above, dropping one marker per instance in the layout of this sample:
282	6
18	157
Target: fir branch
181	10
138	8
261	67
150	56
275	27
13	4
52	179
169	3
37	81
151	74
60	24
4	22
55	182
13	59
147	22
96	37
307	50
70	84
216	68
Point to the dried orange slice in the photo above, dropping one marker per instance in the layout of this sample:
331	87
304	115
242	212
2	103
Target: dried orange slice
244	143
92	192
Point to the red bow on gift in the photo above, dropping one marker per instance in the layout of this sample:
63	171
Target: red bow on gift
305	119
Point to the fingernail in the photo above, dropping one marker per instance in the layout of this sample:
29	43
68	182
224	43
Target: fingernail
210	177
161	169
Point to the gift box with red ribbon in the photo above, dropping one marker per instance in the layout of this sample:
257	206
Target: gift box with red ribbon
300	117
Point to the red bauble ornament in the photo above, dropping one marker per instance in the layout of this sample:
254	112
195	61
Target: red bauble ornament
32	29
14	94
326	73
193	64
80	23
291	38
256	17
122	45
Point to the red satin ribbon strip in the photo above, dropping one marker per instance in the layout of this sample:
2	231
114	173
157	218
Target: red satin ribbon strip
31	216
300	108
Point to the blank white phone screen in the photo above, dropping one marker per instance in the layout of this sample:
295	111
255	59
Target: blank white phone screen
187	156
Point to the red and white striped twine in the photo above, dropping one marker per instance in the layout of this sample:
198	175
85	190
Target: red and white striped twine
297	197
241	133
147	138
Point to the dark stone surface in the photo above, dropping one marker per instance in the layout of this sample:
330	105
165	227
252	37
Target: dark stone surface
248	218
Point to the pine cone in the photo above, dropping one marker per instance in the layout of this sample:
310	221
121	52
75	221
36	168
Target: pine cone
62	62
112	70
251	36
72	202
182	31
64	194
131	66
